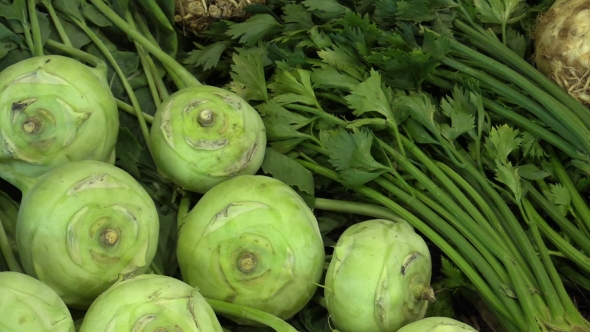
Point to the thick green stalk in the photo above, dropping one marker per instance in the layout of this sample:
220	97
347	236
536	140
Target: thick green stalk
107	54
56	22
185	76
490	214
183	210
37	40
130	110
6	251
562	307
521	121
573	276
425	208
362	209
559	111
566	226
244	312
509	57
578	202
512	320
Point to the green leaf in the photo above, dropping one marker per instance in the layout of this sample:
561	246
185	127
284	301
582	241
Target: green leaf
128	151
253	29
16	11
344	59
496	11
248	69
369	96
297	17
292	87
531	172
287	170
531	146
561	197
509	176
208	56
502	141
320	39
516	42
325	9
460	111
420	108
330	77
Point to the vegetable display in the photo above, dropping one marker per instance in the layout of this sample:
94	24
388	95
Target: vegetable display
150	303
378	278
236	245
53	110
91	219
204	135
313	166
30	305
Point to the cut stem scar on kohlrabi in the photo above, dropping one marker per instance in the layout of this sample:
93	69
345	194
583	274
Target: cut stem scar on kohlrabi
54	110
82	225
253	241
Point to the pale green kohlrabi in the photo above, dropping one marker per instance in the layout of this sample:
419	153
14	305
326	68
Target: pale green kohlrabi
53	110
562	46
204	135
437	324
252	240
27	304
81	225
378	279
150	303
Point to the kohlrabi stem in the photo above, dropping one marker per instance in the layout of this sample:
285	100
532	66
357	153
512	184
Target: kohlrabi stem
107	54
244	312
90	59
155	50
6	250
130	110
562	307
362	209
37	40
56	22
146	68
512	320
182	210
577	201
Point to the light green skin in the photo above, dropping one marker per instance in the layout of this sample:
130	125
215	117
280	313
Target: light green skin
74	107
197	157
26	304
262	216
150	303
437	324
365	289
8	218
61	220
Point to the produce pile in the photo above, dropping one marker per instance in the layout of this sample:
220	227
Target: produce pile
279	165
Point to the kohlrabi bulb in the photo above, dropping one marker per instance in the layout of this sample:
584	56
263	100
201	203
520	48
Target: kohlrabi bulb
204	135
82	225
378	279
253	241
437	324
27	304
562	46
150	303
54	110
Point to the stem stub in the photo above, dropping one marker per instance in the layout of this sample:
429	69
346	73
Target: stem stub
247	262
206	118
109	237
32	125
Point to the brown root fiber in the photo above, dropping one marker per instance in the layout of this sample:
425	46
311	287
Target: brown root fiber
562	46
196	15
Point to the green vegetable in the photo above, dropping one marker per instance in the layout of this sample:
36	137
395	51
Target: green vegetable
204	135
252	240
29	305
54	110
562	50
8	217
437	324
379	277
150	303
83	224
